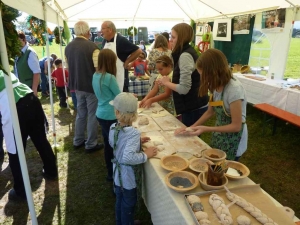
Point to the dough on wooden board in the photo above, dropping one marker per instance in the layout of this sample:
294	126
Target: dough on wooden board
160	148
156	143
143	121
189	129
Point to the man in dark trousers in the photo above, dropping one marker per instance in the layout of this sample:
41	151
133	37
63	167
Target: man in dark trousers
31	121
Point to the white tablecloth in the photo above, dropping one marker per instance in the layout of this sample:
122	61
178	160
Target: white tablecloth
167	206
271	92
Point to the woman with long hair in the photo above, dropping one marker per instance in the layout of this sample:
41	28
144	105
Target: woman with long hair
106	89
186	79
227	102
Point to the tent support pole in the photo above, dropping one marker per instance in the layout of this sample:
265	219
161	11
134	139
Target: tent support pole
49	77
63	61
134	19
16	126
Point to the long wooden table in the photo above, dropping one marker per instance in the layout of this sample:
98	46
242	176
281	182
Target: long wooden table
167	206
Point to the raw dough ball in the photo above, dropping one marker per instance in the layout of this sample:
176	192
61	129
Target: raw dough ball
243	220
201	215
189	129
156	143
160	148
193	198
204	222
143	121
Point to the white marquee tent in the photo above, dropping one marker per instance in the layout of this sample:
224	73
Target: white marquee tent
55	11
145	10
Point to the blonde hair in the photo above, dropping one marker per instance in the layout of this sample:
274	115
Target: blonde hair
161	42
215	71
165	60
185	35
126	118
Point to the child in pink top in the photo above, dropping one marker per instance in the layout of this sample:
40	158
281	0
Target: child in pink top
140	65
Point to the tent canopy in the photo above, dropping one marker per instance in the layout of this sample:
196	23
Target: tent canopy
145	10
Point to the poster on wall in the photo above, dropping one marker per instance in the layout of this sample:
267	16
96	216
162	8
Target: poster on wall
222	30
273	18
241	24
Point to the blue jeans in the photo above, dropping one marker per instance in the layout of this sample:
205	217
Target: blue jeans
108	150
74	100
189	118
86	119
125	204
44	82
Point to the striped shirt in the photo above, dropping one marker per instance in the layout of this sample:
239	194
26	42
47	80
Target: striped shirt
127	152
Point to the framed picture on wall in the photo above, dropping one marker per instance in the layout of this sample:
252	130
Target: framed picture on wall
273	19
241	24
222	30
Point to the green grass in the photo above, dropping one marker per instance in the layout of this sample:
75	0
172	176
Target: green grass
263	50
83	196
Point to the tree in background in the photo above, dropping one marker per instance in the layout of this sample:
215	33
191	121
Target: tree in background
9	16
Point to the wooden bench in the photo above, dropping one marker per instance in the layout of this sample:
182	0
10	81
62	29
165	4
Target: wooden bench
277	113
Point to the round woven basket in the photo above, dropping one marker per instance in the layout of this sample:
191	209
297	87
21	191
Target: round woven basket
185	176
199	165
237	166
214	155
174	163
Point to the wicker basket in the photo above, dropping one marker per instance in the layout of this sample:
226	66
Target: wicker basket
202	179
237	166
245	69
184	175
199	165
174	163
209	153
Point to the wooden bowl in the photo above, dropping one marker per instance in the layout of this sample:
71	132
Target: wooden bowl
214	152
174	163
237	166
199	165
202	179
182	175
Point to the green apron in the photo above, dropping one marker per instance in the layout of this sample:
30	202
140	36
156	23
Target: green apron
137	169
228	142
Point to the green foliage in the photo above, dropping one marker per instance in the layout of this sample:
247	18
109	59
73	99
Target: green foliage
130	31
9	15
37	28
66	33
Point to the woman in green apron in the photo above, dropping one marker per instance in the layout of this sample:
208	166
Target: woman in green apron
227	102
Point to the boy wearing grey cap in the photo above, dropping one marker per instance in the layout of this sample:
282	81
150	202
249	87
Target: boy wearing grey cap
126	141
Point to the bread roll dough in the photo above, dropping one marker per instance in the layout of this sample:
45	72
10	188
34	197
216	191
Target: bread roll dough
243	220
201	215
143	121
193	198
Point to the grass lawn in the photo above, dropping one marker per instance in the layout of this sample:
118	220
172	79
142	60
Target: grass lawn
83	196
263	50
